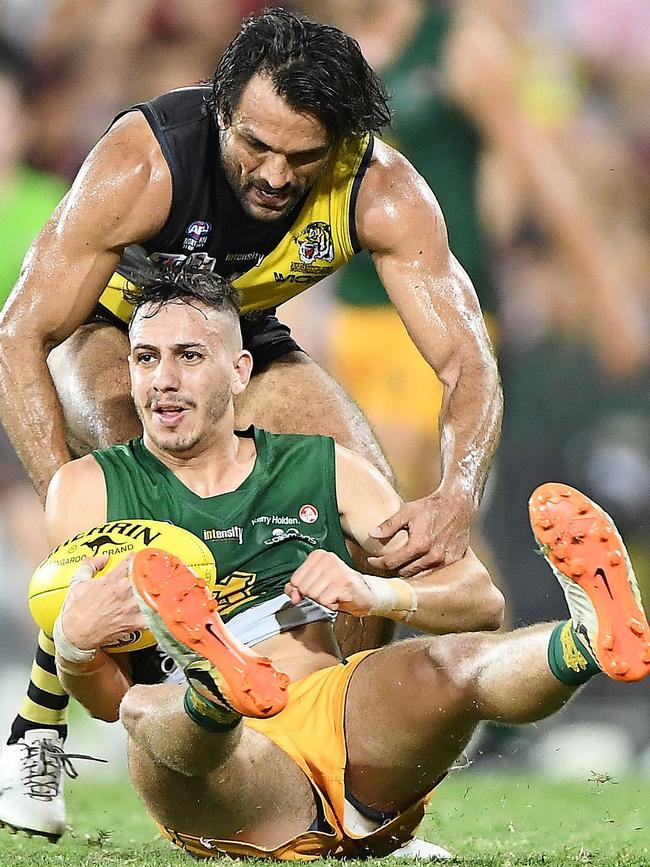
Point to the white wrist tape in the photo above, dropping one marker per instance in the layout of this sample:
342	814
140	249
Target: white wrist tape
77	669
66	649
392	597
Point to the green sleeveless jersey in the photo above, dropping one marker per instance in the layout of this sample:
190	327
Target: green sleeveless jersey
258	534
444	147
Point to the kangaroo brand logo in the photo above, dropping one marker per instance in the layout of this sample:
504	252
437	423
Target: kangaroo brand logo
91	539
99	543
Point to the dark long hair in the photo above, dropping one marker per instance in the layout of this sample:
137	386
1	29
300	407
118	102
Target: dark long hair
315	68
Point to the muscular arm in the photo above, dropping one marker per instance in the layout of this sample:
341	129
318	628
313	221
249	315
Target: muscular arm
400	222
76	501
482	75
456	598
121	196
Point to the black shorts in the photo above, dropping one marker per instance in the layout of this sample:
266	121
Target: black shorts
264	336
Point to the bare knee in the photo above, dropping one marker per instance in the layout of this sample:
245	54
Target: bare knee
90	375
453	663
133	708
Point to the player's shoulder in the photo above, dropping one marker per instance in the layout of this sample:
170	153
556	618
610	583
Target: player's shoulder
388	164
394	198
354	470
83	470
131	138
77	492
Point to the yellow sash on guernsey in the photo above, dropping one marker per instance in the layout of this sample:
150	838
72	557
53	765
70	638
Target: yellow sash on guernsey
315	246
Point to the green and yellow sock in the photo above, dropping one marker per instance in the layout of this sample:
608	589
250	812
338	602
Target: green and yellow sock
569	658
208	715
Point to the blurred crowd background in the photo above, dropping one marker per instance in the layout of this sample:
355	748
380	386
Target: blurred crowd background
529	119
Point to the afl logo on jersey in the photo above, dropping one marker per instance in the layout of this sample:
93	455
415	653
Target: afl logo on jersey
308	513
197	234
315	242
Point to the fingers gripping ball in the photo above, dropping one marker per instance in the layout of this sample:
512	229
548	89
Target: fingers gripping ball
118	539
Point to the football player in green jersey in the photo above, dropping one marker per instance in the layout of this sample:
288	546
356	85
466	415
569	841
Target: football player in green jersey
362	742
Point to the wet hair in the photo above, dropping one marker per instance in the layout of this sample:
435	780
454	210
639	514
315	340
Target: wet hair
315	68
185	283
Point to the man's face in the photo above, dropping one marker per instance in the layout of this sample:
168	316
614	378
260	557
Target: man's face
186	365
270	153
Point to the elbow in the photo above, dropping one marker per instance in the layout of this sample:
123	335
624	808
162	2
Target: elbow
105	714
494	610
488	601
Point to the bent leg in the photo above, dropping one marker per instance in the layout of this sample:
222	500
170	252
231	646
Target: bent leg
234	785
91	376
412	708
294	395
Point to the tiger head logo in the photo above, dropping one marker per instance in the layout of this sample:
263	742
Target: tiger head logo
315	242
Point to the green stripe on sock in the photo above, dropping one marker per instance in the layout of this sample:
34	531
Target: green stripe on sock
569	659
207	715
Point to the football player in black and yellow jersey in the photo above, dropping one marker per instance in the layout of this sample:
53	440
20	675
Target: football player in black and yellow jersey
272	177
346	765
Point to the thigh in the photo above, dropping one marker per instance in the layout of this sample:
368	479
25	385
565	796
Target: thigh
409	713
259	795
294	395
91	376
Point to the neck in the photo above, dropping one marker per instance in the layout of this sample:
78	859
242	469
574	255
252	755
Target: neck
211	468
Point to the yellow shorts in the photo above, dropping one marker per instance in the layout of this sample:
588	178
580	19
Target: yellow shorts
375	360
377	363
310	730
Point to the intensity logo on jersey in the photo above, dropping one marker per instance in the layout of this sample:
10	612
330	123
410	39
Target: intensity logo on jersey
315	243
214	535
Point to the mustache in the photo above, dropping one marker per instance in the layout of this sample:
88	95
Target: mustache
155	403
273	191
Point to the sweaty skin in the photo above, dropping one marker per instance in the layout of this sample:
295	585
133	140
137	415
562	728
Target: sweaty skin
122	196
185	399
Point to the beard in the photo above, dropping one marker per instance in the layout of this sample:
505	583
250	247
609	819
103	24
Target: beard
243	189
178	444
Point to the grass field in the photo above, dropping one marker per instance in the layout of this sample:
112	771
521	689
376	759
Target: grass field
487	820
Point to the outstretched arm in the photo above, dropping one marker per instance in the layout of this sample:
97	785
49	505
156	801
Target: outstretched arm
121	196
400	222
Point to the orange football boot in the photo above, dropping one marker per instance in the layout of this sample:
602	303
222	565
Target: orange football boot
585	551
183	617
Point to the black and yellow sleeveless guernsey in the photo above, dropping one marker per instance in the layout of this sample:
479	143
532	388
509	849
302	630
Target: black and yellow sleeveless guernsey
269	262
258	534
